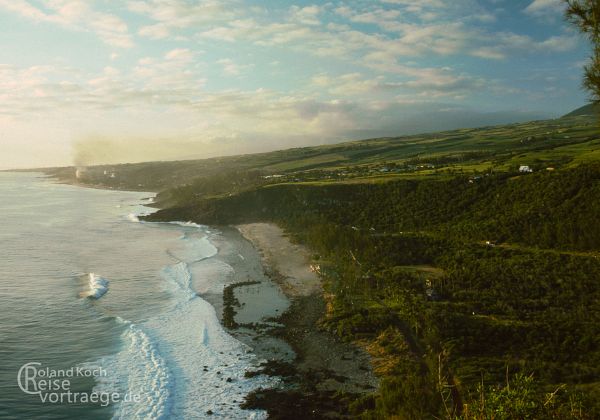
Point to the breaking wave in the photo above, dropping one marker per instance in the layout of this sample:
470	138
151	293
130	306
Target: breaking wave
182	363
98	286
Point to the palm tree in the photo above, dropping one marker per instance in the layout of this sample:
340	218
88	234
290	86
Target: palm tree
585	14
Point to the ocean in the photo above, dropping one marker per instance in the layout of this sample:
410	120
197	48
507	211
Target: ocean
101	316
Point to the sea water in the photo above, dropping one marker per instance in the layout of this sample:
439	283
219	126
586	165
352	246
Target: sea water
85	287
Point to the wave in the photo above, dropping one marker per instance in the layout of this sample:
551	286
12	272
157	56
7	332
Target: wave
211	276
139	210
208	363
139	373
149	376
98	286
187	224
192	249
179	279
182	363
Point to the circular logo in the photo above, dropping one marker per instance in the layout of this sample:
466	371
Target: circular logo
26	378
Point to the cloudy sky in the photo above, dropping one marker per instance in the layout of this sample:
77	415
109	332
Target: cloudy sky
165	79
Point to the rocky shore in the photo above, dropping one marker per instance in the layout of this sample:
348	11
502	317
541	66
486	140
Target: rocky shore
322	374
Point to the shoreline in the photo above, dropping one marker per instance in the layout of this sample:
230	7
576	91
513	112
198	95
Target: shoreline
277	304
288	263
326	374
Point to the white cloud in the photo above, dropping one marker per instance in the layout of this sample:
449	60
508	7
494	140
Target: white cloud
489	53
232	68
180	54
157	31
368	57
308	15
350	84
75	15
158	85
401	37
508	44
411	81
175	15
545	8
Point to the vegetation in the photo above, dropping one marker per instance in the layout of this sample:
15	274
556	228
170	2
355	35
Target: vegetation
473	284
515	284
560	143
230	302
585	14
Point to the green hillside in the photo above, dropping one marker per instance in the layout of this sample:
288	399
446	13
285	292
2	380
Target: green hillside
515	291
539	144
589	109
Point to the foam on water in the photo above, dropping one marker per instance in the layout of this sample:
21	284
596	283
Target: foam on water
179	281
139	210
208	363
211	276
98	286
182	363
192	249
137	371
187	224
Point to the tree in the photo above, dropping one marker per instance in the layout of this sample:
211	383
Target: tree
585	14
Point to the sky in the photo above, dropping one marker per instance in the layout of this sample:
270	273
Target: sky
101	81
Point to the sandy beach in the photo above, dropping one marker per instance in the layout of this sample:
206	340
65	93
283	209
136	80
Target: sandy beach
323	365
290	262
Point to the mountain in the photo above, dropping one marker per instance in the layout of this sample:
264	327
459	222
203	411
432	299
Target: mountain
589	109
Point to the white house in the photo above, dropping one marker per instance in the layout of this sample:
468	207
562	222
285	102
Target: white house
525	168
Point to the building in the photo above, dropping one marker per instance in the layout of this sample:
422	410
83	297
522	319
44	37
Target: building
525	168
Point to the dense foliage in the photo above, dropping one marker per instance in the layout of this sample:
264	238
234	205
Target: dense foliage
557	209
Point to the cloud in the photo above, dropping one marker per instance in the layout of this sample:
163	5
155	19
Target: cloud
418	83
453	32
350	84
168	107
490	53
76	15
231	68
308	15
508	44
172	16
342	70
157	31
545	8
180	54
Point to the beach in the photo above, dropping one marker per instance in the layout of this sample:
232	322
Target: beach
321	365
289	263
253	280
